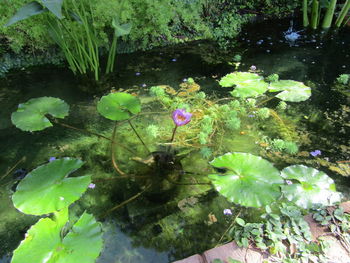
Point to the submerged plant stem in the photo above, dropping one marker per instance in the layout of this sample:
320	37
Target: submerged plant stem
231	225
126	201
138	136
13	167
116	167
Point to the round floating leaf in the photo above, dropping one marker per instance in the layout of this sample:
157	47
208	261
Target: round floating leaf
48	188
309	186
118	106
30	116
248	180
251	89
293	91
239	78
44	243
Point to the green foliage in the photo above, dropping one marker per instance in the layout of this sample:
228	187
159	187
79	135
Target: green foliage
118	106
48	188
248	180
278	231
152	130
284	146
31	116
309	186
272	78
293	91
343	79
282	106
232	121
263	113
44	242
206	152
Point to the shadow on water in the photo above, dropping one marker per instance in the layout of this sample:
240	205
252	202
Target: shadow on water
314	58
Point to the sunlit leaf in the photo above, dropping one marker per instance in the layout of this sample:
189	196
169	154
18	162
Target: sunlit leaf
30	116
44	243
293	91
249	180
309	186
118	106
26	11
121	30
48	188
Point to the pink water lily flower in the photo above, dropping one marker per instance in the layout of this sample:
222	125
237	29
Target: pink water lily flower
181	117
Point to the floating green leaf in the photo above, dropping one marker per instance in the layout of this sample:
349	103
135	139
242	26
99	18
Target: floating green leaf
121	30
239	78
48	188
26	11
118	106
293	91
249	179
44	242
309	186
30	116
246	84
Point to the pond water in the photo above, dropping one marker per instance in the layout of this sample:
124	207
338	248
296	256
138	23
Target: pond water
157	232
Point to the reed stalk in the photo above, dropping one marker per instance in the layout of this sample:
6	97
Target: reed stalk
305	16
314	14
343	13
327	21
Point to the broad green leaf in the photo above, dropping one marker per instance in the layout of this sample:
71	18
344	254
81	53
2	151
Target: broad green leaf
118	106
251	89
121	30
54	6
82	244
44	243
240	221
310	186
249	180
30	116
239	78
48	188
293	91
26	11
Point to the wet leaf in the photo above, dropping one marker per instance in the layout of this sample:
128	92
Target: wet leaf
313	187
30	116
48	188
249	180
293	91
118	106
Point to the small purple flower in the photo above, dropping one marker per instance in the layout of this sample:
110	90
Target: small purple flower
251	115
174	60
227	212
138	73
316	153
181	117
92	186
144	85
289	182
52	159
252	68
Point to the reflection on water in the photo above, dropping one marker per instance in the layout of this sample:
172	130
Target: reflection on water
170	233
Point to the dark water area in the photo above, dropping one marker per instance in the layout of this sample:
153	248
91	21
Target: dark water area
130	235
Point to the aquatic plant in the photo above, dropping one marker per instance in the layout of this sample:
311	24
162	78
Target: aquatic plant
309	186
343	79
54	238
286	146
248	180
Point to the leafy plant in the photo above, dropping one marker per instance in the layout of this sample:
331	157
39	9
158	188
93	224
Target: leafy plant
309	186
248	180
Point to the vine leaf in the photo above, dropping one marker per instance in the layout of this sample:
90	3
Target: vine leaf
249	180
26	11
309	186
31	116
48	188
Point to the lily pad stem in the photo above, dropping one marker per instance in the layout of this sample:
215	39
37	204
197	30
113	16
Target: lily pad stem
231	225
116	167
138	136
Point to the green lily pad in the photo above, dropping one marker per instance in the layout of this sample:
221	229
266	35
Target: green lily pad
309	186
44	243
30	116
249	180
293	91
249	90
48	188
118	106
239	78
